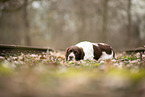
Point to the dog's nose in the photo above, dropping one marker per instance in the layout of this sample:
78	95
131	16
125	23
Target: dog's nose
70	57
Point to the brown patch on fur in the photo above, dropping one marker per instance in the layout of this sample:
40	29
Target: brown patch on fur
82	54
107	48
97	52
79	53
66	54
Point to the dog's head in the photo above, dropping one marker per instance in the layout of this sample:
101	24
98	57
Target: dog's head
74	53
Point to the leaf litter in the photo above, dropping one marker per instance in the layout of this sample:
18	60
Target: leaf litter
49	75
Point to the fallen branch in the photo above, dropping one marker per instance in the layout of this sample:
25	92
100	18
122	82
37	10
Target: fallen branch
13	50
140	50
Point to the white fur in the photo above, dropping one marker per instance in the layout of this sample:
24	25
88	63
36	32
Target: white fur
102	43
95	44
105	56
88	49
73	55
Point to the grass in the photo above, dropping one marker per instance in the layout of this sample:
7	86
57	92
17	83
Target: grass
49	75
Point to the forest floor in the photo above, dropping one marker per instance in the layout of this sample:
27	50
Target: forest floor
49	75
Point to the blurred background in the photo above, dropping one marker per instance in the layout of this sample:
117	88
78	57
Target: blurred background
61	23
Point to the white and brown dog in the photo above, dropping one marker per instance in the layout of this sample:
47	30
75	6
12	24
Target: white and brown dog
89	51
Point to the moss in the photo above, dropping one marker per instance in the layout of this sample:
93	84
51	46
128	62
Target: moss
5	70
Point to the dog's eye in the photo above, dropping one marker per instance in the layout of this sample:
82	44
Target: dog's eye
75	52
70	51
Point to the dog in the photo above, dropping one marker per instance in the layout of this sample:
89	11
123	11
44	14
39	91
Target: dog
88	51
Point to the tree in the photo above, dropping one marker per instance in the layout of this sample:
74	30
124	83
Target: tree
26	23
129	16
105	20
16	23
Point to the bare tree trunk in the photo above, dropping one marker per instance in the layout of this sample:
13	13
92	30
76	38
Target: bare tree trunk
105	20
26	23
129	22
82	30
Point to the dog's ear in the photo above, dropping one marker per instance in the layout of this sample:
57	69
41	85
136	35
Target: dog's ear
82	54
66	53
